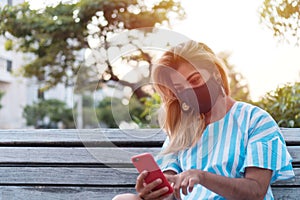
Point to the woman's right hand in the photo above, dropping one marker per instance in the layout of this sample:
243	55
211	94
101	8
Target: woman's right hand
145	191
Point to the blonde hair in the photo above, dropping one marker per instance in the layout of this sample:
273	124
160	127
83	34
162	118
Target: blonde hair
184	129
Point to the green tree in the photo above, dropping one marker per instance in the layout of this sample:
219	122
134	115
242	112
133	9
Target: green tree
112	111
282	17
283	105
89	118
53	109
57	36
151	106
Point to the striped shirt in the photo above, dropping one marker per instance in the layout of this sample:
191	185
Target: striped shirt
246	136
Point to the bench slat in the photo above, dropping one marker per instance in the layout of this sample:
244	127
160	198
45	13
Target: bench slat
286	193
75	137
291	136
76	176
93	193
82	176
80	155
60	155
60	193
80	137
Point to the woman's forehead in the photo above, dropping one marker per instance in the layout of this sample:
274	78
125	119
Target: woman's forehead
186	70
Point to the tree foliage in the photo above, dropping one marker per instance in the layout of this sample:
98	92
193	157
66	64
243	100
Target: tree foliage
56	37
283	105
112	111
282	17
54	110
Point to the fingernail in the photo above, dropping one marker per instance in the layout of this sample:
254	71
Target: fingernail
166	189
159	181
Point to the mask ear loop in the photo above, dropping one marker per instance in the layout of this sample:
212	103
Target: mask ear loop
222	90
219	81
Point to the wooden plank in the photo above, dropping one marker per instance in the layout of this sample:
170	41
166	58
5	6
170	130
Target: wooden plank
92	137
81	137
295	153
80	155
83	176
68	176
286	193
95	193
291	135
60	193
60	155
39	135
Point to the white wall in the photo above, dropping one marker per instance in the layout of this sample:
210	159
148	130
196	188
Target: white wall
21	91
15	90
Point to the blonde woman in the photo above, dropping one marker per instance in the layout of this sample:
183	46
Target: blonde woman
217	148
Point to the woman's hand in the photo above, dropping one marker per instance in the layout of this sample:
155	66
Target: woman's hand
185	181
145	191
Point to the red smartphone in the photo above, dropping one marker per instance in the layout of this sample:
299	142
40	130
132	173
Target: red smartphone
146	161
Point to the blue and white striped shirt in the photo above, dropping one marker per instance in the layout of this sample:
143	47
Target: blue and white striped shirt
246	136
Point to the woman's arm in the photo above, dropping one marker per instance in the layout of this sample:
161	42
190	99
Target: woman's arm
253	186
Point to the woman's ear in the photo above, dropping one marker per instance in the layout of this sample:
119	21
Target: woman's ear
218	77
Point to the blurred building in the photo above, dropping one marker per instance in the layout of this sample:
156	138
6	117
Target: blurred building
20	91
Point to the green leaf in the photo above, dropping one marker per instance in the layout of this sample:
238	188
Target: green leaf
8	45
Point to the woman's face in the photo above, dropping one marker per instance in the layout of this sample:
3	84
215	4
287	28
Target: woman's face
187	76
196	89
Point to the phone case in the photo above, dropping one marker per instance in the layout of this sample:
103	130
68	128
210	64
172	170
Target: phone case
146	161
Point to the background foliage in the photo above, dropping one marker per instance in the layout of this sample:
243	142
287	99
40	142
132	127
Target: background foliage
55	110
57	37
283	104
282	17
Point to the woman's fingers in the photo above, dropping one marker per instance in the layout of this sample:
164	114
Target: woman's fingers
192	182
157	194
177	186
184	185
140	181
184	182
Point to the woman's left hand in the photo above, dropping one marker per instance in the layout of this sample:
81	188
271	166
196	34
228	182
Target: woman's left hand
185	181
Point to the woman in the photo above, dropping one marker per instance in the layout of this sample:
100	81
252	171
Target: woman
217	148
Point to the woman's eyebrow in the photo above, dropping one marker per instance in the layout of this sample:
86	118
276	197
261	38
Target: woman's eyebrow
191	75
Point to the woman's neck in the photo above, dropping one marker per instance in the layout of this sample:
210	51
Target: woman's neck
219	110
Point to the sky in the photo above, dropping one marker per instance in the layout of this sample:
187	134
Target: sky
233	26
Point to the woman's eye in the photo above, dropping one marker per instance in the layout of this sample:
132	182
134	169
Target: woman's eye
196	81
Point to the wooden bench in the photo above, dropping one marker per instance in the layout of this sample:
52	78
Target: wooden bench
91	164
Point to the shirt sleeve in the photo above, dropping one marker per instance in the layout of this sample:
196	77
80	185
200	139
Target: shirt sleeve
266	148
168	161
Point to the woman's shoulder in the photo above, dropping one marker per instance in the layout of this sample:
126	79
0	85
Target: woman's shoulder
255	116
250	112
249	108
